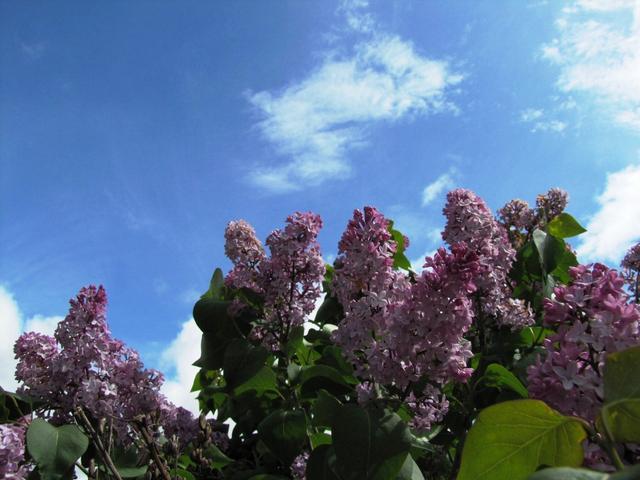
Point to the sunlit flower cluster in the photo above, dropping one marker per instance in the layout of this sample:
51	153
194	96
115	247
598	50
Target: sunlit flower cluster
289	279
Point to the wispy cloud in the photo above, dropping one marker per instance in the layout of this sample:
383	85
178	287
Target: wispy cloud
598	51
314	123
539	121
615	226
438	186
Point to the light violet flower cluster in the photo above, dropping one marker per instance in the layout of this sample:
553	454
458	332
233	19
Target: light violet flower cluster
299	466
84	366
469	220
12	438
396	332
631	270
551	204
593	317
289	279
518	215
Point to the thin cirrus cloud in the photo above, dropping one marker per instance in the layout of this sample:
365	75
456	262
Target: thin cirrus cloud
597	48
317	122
539	121
614	228
438	186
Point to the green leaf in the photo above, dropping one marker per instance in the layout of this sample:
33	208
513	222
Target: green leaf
55	449
369	444
318	439
218	459
284	433
565	226
550	249
512	439
318	377
322	464
14	406
400	260
242	361
216	286
498	376
324	409
621	410
126	462
410	470
330	311
263	381
182	473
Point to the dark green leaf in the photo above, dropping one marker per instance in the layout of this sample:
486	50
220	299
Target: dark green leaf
216	286
242	361
318	377
55	449
369	444
498	376
264	380
410	470
218	459
511	439
324	408
330	311
565	226
322	464
621	410
284	433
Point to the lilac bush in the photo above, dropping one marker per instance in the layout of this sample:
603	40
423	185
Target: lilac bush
398	374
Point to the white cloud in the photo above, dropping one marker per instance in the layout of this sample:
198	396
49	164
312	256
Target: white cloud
598	51
616	225
11	319
46	325
438	186
178	358
316	122
540	122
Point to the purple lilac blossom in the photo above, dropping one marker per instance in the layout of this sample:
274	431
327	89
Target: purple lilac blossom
289	278
469	220
551	204
84	366
395	332
593	317
12	438
299	466
517	214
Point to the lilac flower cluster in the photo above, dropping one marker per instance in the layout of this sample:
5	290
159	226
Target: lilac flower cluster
517	214
289	278
593	317
84	366
469	220
551	204
12	439
631	269
299	466
396	332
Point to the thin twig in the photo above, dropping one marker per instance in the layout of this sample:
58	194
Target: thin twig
97	442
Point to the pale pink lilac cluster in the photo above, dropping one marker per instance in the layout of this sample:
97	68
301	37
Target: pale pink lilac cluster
12	450
289	279
299	466
469	220
593	317
551	204
518	215
246	253
396	332
84	366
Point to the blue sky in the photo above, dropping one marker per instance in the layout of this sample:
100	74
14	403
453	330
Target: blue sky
132	132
